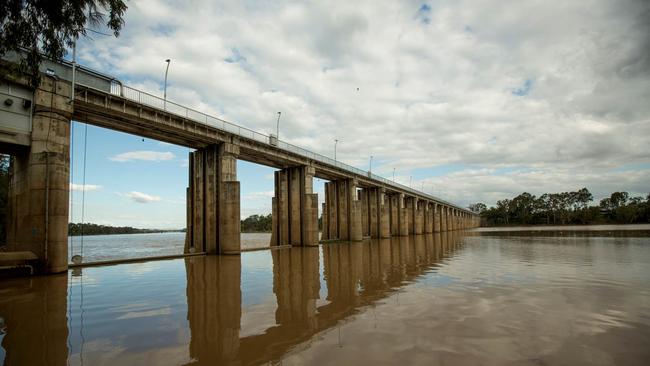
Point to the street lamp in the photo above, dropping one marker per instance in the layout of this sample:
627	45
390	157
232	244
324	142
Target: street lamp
393	174
370	168
277	127
165	92
335	143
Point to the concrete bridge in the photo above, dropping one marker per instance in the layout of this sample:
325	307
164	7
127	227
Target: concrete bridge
35	130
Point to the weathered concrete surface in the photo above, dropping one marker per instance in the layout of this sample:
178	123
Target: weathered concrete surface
40	181
403	216
296	208
214	200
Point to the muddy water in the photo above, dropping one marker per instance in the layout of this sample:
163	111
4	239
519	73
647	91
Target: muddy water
123	246
447	299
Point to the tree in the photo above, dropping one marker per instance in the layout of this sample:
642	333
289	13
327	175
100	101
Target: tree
47	27
477	207
618	199
522	207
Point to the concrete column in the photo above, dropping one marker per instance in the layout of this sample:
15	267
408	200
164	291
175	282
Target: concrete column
324	221
343	201
215	224
410	213
394	214
356	229
229	208
384	214
365	215
443	218
428	215
403	215
297	207
436	218
418	216
373	212
332	210
40	181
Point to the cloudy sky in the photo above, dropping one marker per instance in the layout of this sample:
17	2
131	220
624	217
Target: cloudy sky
473	101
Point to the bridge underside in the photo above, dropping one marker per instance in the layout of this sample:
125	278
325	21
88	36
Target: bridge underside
354	206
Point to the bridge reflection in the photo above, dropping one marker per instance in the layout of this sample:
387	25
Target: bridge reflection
131	317
356	275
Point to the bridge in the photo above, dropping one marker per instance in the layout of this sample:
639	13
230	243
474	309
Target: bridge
35	130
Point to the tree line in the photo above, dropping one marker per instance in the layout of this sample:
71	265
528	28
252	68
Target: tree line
565	208
257	224
75	229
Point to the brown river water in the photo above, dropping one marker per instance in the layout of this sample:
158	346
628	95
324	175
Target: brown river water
465	298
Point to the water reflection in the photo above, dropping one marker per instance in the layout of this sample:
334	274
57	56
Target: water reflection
449	297
356	275
34	314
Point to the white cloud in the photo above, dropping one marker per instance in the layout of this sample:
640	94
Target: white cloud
87	187
413	93
141	197
143	155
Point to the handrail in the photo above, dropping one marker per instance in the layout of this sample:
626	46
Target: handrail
151	100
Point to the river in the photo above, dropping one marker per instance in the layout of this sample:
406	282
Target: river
490	297
124	246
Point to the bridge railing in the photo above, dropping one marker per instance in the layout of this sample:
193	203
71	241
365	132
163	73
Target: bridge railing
200	117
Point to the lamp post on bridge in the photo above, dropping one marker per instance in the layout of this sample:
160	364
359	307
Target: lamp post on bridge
393	175
370	167
336	141
168	61
277	127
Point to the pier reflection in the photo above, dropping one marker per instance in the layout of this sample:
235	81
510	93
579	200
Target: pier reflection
355	275
191	311
33	321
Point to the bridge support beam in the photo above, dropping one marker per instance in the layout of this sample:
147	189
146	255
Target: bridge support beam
384	214
403	219
295	208
39	185
418	216
375	212
428	218
342	211
443	218
214	224
393	211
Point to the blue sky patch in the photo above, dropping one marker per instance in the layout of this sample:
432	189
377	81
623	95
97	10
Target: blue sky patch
524	89
235	57
424	14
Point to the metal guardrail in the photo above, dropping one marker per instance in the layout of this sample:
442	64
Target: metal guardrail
153	101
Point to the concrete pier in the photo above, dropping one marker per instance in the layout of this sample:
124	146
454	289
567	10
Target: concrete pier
403	216
40	181
295	208
214	200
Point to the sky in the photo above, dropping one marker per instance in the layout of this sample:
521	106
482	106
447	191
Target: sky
472	101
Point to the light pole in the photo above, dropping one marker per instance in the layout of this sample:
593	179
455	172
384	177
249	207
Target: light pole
277	127
165	90
410	181
370	168
393	175
336	141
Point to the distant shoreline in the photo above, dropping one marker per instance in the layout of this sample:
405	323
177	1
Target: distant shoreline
157	232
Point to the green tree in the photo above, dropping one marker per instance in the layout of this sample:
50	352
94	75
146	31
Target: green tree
477	207
37	27
522	207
